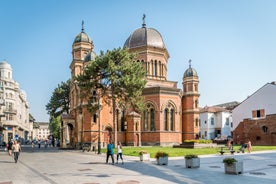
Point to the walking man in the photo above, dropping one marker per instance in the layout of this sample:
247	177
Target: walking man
110	152
16	149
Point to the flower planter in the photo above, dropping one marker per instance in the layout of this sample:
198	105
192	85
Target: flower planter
234	168
162	160
192	162
145	157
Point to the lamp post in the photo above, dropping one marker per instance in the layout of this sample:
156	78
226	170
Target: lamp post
99	126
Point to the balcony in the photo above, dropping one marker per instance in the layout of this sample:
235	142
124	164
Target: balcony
9	111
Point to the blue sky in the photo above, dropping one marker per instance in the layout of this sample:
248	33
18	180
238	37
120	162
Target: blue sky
232	44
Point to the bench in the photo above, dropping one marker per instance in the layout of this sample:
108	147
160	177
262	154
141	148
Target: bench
223	150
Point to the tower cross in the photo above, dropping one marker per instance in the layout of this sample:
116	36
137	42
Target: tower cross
144	22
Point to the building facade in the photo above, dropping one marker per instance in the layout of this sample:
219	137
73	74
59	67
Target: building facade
14	107
42	132
254	119
171	115
215	122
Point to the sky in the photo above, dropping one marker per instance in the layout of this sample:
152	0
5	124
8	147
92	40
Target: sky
231	44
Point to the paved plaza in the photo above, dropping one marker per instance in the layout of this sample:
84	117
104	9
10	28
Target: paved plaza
55	166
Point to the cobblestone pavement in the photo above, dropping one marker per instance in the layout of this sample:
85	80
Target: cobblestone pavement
55	166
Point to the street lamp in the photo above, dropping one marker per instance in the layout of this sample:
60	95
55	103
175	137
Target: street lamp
99	126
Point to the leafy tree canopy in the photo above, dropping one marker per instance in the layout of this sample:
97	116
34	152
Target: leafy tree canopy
54	126
59	102
115	75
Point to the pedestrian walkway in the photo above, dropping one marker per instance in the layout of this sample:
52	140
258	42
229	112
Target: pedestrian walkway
75	167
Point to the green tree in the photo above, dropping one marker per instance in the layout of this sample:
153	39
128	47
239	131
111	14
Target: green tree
118	78
58	104
54	126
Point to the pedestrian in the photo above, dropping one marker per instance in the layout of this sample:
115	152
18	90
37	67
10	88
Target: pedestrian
39	143
45	143
16	149
120	152
249	146
9	147
53	142
110	152
33	145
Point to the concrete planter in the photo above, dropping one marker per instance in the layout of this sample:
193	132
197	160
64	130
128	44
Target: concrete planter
162	160
234	168
192	163
145	157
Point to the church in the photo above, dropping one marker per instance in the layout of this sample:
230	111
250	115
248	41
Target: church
171	114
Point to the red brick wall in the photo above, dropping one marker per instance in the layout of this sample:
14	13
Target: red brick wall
253	130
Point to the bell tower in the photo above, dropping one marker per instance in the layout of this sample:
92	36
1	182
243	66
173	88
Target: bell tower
82	46
190	107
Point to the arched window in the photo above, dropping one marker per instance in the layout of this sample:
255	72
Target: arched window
196	103
169	118
166	119
149	118
94	97
122	122
155	68
172	120
95	118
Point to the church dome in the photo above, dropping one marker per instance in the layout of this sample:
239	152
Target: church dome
90	56
145	37
190	72
82	37
5	65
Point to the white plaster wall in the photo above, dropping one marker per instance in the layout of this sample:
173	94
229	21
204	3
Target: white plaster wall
264	98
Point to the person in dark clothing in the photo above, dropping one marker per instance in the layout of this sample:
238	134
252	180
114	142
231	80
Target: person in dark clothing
9	147
110	152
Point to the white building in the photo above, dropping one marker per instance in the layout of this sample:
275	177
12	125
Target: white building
215	122
14	108
43	132
256	106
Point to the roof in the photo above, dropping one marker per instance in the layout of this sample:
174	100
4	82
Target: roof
190	72
82	36
145	37
213	109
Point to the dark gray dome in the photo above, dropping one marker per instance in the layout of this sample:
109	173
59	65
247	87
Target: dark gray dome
190	72
145	37
82	37
90	56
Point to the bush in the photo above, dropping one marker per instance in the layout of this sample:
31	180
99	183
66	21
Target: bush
161	154
143	152
229	161
203	141
190	156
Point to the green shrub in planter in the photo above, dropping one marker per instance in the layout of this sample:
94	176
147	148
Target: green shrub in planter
190	156
229	161
161	154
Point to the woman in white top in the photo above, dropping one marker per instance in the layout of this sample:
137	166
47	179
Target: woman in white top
120	152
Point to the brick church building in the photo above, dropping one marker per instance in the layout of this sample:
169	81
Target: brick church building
171	115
